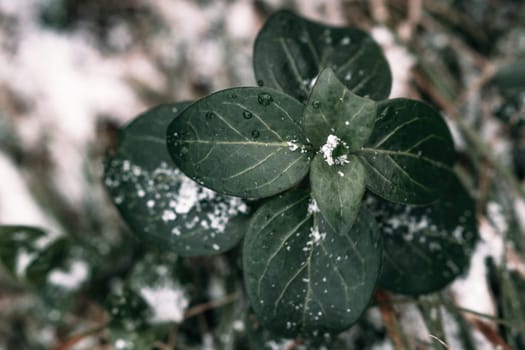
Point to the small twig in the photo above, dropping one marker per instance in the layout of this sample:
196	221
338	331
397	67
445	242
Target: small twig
200	308
445	345
70	342
407	28
390	321
295	344
407	300
379	11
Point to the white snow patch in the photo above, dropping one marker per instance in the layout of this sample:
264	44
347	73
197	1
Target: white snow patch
120	344
241	20
16	202
472	291
238	325
313	207
216	288
327	150
168	215
496	216
400	60
168	302
292	146
282	344
316	235
23	259
72	279
384	345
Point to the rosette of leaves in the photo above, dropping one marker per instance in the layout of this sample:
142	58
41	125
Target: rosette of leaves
312	254
311	142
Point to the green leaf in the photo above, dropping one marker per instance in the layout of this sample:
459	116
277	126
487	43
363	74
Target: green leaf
333	109
338	191
302	277
425	248
30	253
409	154
19	246
46	262
245	142
290	51
158	202
144	307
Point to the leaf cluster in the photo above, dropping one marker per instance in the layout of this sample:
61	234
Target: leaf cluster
342	190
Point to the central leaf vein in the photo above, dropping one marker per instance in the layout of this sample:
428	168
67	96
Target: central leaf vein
294	68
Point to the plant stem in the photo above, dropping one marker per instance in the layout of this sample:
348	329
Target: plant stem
70	342
199	309
389	318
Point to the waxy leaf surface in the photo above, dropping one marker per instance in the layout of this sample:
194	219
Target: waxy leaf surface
409	155
338	191
332	109
158	202
290	51
302	277
245	142
425	248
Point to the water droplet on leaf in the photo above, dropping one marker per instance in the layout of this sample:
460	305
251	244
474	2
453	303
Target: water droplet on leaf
247	115
316	104
265	99
260	82
255	134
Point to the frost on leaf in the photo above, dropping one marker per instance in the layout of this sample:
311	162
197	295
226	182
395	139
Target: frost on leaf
71	278
167	302
425	247
165	205
329	151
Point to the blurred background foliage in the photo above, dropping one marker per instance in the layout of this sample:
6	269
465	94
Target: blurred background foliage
72	72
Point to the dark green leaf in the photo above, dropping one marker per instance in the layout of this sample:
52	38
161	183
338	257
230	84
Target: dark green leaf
46	262
290	51
55	256
425	248
158	202
35	256
409	154
245	142
338	190
333	109
144	307
302	277
19	246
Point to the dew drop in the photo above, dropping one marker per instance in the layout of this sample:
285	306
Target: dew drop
316	104
255	134
260	82
247	115
265	99
233	95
